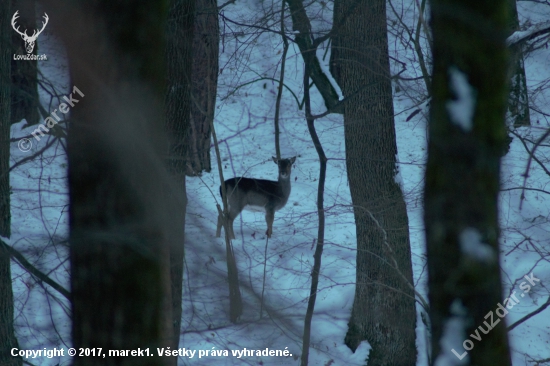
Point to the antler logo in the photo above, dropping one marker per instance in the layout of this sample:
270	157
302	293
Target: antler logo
29	40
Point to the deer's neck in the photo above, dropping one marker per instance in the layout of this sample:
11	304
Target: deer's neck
284	183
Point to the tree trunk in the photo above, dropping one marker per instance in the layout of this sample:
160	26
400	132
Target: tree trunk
518	100
24	92
384	308
179	30
7	335
304	38
121	220
204	80
5	112
466	138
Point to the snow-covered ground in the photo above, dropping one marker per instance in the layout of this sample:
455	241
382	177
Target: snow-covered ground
244	126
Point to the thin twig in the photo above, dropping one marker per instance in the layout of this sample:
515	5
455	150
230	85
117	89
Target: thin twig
531	155
35	272
542	308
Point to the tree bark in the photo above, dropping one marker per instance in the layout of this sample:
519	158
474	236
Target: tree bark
121	221
5	113
179	30
308	49
24	78
518	99
466	138
7	335
384	308
204	81
317	256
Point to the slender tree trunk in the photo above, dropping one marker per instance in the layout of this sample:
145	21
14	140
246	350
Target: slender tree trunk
204	80
179	30
384	308
304	38
466	138
121	221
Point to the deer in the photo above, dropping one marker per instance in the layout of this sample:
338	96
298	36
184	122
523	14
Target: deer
29	40
257	195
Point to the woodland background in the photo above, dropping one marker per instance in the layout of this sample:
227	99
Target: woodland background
419	194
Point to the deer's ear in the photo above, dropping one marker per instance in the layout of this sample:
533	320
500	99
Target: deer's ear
275	160
292	160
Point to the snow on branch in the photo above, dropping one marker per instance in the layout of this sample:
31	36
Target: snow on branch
528	34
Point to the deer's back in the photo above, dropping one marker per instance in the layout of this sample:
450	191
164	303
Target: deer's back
257	194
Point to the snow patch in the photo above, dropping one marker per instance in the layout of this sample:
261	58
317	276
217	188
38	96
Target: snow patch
520	36
397	178
461	110
324	63
472	246
454	334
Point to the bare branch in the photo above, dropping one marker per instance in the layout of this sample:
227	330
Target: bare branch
35	271
308	49
532	32
528	316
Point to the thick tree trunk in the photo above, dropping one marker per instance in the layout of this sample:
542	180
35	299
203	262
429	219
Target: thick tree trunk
179	30
121	220
467	136
7	335
384	308
204	80
24	93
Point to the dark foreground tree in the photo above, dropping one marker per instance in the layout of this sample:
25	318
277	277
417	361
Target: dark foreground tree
384	308
7	335
24	91
121	220
5	120
466	139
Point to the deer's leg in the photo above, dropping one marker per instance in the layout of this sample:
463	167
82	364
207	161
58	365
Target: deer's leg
233	213
269	217
230	226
